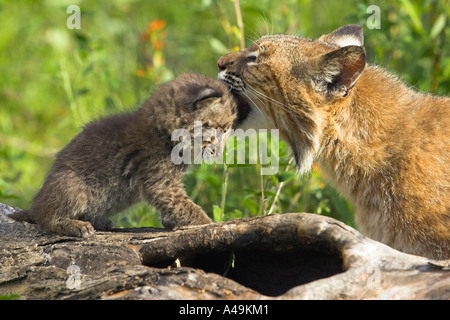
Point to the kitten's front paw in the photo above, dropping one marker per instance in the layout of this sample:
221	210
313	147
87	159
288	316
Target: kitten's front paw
75	228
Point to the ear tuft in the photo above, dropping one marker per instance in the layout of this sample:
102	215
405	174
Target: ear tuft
338	70
349	35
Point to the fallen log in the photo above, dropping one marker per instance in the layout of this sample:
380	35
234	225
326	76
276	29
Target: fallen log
281	256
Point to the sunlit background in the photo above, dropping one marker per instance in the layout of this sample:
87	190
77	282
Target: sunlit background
54	79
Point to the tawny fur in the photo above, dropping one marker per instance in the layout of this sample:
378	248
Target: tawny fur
383	145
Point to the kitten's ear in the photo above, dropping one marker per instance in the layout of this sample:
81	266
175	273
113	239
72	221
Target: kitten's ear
336	72
349	35
203	95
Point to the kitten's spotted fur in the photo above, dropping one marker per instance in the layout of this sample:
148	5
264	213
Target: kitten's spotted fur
122	159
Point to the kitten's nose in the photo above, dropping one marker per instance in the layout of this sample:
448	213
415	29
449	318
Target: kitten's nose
221	65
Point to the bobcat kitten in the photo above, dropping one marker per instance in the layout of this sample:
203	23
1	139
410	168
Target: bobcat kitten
385	146
123	159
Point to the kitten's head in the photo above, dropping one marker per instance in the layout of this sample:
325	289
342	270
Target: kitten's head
200	105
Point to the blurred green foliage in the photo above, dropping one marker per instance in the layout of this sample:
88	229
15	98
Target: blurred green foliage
54	79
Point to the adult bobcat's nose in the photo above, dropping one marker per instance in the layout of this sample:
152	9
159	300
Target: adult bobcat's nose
226	61
221	65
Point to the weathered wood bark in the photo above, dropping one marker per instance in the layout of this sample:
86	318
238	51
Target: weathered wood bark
288	256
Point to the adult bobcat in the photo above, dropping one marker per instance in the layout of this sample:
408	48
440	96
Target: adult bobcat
383	145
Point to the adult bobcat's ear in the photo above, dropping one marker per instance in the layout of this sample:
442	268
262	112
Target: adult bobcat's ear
336	72
349	35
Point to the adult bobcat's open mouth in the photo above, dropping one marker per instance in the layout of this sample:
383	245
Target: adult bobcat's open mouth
242	106
235	84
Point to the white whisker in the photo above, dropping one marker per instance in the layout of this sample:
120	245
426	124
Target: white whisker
262	95
254	104
284	106
255	36
268	30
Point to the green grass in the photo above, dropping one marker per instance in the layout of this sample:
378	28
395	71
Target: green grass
54	80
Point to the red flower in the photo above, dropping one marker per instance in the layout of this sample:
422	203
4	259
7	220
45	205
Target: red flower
155	25
140	73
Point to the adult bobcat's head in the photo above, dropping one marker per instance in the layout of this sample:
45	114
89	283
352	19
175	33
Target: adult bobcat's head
291	83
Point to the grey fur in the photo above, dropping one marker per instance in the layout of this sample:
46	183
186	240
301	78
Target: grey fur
122	159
